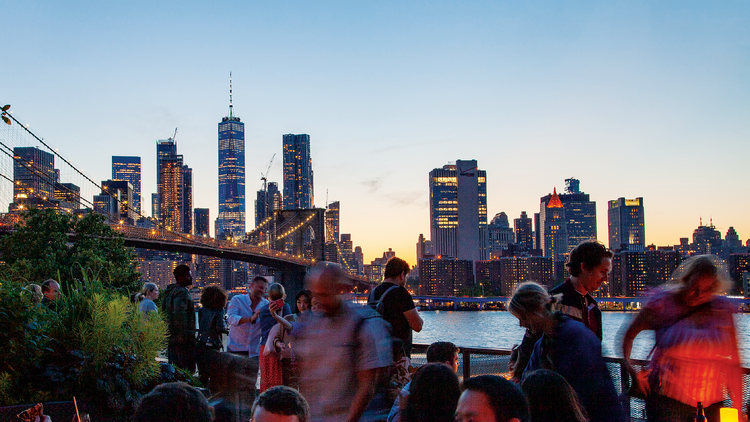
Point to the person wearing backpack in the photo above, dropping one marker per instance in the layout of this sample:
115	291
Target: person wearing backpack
391	299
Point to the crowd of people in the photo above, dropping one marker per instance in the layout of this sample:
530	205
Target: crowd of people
334	360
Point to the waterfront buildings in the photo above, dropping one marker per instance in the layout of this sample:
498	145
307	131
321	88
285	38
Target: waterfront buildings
706	239
458	211
634	272
626	224
129	169
231	219
739	269
298	172
502	276
445	276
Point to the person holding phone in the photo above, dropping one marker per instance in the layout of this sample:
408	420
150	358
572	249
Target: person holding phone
270	366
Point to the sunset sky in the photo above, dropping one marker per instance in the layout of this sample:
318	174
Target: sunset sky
634	98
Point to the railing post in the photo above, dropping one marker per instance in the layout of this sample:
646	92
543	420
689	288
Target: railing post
467	364
624	376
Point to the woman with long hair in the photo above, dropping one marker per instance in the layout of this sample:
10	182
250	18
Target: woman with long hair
569	348
695	354
211	327
433	395
551	398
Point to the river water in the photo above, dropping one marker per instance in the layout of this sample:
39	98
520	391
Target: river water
500	330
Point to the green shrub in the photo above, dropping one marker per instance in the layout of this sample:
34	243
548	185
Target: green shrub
95	346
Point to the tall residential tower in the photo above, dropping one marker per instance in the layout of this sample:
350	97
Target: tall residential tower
298	173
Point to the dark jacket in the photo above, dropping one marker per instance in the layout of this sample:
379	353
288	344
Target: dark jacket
572	305
177	308
576	354
211	326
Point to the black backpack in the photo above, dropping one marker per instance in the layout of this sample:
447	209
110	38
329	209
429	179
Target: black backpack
378	305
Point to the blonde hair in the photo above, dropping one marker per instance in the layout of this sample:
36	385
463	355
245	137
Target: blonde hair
694	268
147	288
527	298
276	292
36	292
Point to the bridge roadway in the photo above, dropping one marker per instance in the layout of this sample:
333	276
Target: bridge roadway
165	240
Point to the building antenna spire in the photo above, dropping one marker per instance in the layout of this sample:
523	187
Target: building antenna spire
230	95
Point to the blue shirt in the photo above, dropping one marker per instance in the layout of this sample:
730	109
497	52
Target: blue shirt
266	320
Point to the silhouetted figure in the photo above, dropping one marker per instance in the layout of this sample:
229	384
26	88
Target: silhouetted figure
173	402
551	398
490	398
398	305
211	327
177	307
280	403
433	394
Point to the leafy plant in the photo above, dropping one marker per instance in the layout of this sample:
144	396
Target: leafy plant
39	249
96	346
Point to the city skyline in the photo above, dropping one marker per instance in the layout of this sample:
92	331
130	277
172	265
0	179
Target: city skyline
634	100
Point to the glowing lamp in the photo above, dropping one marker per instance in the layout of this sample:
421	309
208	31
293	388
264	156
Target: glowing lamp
729	415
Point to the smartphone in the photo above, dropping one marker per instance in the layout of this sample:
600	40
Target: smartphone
279	303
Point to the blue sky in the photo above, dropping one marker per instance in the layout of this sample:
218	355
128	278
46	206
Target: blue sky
634	98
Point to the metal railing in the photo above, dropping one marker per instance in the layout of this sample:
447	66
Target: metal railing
473	361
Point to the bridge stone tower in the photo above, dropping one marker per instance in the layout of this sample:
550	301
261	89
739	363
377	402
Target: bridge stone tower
300	232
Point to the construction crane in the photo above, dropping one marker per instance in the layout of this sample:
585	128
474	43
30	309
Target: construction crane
264	176
173	136
268	205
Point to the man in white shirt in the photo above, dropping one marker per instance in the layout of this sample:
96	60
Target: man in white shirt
244	332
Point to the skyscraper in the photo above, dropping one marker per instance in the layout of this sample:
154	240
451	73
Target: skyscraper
202	221
580	214
187	199
171	192
499	233
33	173
298	172
231	217
266	202
523	230
165	149
626	224
458	211
122	192
129	169
332	221
555	229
